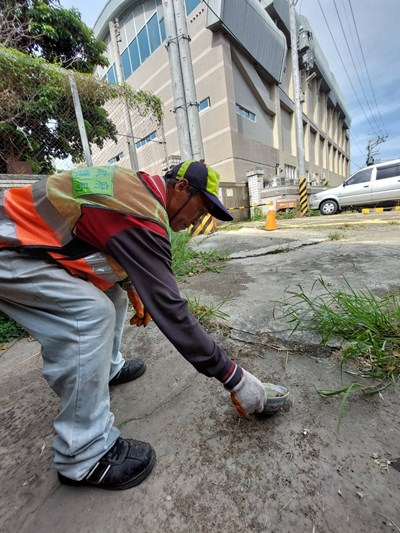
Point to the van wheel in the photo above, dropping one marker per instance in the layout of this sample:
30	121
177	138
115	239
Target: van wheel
329	207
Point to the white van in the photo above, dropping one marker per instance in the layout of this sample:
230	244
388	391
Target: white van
373	186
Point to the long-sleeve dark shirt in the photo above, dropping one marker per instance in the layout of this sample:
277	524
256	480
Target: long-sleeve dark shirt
145	254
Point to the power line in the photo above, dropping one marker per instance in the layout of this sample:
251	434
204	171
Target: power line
344	66
355	67
354	138
365	64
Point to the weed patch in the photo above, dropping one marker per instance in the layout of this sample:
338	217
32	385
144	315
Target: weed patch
10	330
369	326
257	215
230	227
186	261
335	236
207	315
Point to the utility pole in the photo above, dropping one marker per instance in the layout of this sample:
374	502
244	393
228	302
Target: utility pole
188	80
120	79
298	110
178	90
371	145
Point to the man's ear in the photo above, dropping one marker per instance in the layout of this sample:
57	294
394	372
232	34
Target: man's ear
181	186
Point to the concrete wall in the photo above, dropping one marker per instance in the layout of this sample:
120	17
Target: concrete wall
17	180
226	74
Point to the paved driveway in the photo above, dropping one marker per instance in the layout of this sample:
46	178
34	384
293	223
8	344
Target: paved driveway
216	472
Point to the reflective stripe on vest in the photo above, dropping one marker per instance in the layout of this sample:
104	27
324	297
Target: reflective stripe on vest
99	268
45	214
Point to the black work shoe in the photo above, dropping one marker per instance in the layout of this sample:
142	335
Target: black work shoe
125	465
130	371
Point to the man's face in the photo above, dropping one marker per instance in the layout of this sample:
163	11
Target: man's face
185	208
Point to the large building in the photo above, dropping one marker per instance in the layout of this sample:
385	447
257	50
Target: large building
243	75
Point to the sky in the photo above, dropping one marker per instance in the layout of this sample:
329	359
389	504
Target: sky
361	42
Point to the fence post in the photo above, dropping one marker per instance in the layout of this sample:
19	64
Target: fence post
79	118
120	79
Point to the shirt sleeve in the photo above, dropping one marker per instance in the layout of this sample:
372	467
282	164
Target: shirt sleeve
146	257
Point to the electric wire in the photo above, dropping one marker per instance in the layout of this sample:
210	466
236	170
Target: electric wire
355	67
344	66
365	65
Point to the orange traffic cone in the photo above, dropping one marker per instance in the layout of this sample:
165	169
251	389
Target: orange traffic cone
270	222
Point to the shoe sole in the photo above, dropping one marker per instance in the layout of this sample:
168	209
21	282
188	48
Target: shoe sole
141	477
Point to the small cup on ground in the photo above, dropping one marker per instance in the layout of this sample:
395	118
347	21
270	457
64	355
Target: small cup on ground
275	397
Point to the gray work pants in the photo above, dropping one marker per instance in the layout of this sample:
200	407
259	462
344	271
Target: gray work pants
79	328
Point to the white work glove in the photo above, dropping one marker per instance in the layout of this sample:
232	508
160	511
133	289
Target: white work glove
248	395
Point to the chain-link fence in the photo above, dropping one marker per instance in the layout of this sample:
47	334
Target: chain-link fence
53	119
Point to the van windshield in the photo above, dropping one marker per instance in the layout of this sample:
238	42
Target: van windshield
360	177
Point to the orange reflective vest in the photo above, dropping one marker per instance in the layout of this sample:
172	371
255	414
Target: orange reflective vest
44	215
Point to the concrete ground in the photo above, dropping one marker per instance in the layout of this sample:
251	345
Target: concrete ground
217	472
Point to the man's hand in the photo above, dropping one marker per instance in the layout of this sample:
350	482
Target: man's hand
141	316
248	395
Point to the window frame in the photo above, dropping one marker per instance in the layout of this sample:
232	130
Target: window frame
205	107
116	159
383	169
146	140
156	29
245	113
360	172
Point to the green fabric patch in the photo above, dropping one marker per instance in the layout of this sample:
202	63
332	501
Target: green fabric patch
93	180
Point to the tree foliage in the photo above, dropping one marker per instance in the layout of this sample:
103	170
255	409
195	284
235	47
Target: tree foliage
37	116
42	28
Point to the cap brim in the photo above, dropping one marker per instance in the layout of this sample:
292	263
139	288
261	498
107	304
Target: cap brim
218	211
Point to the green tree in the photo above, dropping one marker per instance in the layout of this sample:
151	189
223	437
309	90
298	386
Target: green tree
42	28
37	119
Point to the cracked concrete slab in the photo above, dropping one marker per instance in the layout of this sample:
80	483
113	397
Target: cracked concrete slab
216	472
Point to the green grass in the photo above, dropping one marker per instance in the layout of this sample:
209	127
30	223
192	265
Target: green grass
257	215
369	326
335	236
187	261
206	314
10	330
296	213
230	226
288	214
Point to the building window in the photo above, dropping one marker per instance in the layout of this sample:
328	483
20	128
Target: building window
146	41
242	111
114	160
290	173
162	30
150	137
191	4
134	53
154	34
203	104
126	64
143	41
111	75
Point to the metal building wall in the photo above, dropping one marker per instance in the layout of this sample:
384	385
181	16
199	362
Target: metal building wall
251	27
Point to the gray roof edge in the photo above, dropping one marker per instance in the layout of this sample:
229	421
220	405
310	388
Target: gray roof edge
111	10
